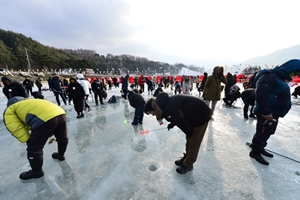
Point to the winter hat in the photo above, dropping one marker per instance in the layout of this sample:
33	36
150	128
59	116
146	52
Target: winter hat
37	95
13	100
148	106
72	78
4	78
291	66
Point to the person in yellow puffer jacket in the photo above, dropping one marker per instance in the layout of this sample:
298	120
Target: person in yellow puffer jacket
43	119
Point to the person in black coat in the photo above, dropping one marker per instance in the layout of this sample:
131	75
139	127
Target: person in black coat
55	85
28	84
296	92
248	97
77	94
231	81
190	114
97	88
201	87
13	88
125	86
137	101
272	101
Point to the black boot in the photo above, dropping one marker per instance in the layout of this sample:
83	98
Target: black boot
252	116
184	169
179	162
246	116
36	163
258	158
60	155
265	153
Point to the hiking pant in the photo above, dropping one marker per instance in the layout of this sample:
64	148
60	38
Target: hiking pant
56	126
264	129
139	114
193	143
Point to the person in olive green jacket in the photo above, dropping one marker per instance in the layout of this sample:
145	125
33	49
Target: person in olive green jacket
33	121
212	88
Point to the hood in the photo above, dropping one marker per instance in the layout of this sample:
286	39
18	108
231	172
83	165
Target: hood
72	78
4	78
161	99
130	94
80	76
13	100
216	70
284	70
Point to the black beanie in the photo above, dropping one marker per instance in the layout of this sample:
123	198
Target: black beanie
4	78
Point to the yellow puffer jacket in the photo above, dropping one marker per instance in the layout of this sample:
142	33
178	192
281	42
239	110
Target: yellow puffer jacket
28	114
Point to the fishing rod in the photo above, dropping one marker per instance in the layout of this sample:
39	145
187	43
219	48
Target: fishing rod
250	145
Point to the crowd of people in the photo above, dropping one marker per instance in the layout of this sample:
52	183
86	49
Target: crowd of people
268	94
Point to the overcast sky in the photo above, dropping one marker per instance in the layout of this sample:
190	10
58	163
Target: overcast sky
193	32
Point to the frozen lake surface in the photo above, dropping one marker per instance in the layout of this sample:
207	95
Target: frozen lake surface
108	158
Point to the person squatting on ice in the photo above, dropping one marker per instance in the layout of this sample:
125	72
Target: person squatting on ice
44	119
272	100
212	88
77	94
188	113
137	101
248	97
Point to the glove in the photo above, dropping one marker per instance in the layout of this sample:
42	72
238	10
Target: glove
170	126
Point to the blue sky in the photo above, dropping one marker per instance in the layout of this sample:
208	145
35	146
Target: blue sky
193	32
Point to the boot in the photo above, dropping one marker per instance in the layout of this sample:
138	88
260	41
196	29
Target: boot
258	158
184	169
246	116
60	155
265	153
252	116
36	163
179	162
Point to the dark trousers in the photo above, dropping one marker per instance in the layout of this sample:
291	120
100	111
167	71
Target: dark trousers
142	87
125	91
138	114
85	103
56	126
264	130
193	143
96	98
57	94
246	106
78	105
29	91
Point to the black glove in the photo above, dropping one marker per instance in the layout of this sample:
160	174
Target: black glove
170	126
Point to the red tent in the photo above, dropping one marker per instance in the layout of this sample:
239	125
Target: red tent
240	78
201	77
178	78
158	78
131	79
296	79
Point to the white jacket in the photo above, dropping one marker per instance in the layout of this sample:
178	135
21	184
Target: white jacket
84	83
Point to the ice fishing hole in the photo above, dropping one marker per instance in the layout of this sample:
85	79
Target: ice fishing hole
152	168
